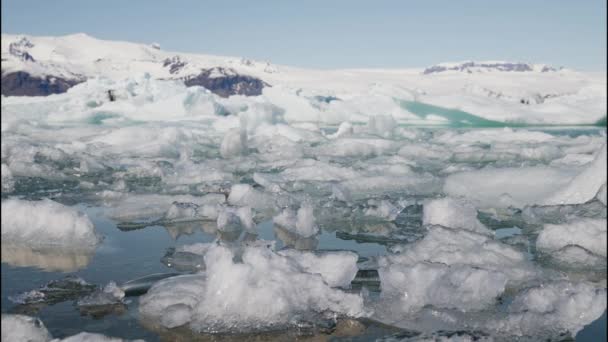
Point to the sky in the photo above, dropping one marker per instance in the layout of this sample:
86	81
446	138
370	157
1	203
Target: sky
338	33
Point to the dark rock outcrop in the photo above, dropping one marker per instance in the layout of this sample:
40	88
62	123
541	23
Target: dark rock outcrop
499	66
21	83
175	64
226	82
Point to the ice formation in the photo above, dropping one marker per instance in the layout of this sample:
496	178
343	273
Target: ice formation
553	307
111	294
263	292
23	328
234	219
585	186
450	269
31	329
45	223
337	269
453	213
301	222
580	241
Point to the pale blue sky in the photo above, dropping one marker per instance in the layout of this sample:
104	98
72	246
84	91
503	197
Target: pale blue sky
338	33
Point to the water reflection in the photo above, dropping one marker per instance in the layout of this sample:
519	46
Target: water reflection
291	239
47	259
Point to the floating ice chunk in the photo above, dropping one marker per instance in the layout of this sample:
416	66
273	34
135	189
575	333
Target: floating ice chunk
355	147
589	234
8	182
31	329
132	206
312	170
45	223
345	129
301	222
516	187
460	287
111	294
574	159
382	125
415	184
553	307
453	213
585	186
340	193
461	247
505	135
338	268
234	143
305	223
243	195
265	291
23	328
424	151
234	219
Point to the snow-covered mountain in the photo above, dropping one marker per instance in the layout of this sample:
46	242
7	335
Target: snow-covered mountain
495	90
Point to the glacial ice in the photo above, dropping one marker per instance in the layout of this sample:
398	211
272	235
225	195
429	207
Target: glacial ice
235	219
587	234
585	186
453	213
443	286
23	328
265	291
7	179
234	143
461	247
553	307
172	155
300	222
110	294
31	329
45	223
337	268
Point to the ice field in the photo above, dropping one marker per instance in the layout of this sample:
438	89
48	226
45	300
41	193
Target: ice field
366	207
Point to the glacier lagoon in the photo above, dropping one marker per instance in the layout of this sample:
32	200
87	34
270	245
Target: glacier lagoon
150	205
346	205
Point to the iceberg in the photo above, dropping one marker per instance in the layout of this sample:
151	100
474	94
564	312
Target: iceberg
46	223
265	291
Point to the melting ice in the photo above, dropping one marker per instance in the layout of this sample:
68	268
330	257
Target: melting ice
432	198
